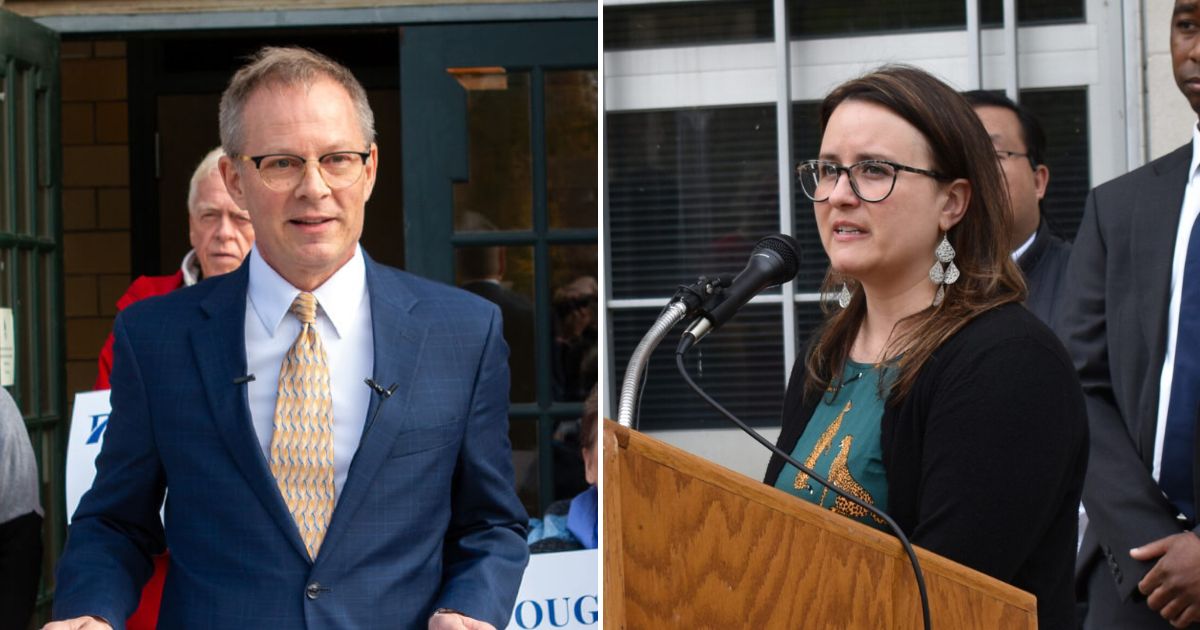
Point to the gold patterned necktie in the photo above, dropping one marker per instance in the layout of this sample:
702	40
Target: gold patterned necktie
302	445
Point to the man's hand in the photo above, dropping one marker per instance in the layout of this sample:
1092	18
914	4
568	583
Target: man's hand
1172	587
81	623
452	621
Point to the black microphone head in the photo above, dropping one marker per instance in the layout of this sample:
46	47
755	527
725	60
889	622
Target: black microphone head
788	250
775	260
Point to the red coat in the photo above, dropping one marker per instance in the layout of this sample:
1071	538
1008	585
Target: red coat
146	615
142	288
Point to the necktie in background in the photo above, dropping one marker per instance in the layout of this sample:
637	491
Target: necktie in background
302	443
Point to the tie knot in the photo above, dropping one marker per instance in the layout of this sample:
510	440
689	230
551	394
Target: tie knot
304	307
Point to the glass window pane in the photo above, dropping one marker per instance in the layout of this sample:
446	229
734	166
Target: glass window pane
740	365
50	383
1064	116
44	227
22	105
686	24
809	317
23	318
571	97
806	144
5	98
569	477
504	275
522	432
689	193
991	12
500	163
574	300
733	22
7	261
825	19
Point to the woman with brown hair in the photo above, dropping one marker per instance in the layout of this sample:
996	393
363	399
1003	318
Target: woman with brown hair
931	392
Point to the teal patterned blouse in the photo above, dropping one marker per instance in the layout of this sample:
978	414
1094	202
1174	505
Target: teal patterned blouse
842	443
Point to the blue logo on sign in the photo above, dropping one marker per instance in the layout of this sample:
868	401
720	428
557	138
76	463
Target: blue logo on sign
99	423
556	612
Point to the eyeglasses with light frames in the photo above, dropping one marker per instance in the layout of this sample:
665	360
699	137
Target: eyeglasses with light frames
283	171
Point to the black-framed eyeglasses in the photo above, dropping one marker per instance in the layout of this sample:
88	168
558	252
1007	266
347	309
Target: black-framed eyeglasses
284	171
871	180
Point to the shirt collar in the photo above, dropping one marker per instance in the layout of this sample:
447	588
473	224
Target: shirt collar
1195	151
1020	251
191	268
339	297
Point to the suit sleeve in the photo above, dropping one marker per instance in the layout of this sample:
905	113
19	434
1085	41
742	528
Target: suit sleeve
1124	504
485	550
1003	448
117	527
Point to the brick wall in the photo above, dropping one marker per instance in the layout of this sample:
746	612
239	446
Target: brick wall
95	138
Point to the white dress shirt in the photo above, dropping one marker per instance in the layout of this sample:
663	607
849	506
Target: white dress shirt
344	324
1020	251
1187	218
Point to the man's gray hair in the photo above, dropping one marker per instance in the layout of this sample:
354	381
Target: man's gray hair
209	164
280	67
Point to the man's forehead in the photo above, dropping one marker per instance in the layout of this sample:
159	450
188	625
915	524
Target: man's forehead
265	100
203	206
1012	122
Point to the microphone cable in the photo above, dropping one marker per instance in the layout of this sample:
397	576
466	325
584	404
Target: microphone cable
908	548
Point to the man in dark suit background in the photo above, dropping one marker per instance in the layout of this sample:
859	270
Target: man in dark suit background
1128	318
407	516
1021	148
481	270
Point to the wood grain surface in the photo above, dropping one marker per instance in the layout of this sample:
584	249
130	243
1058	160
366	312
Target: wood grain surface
689	544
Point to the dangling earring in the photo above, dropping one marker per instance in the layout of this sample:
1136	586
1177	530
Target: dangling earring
943	276
843	296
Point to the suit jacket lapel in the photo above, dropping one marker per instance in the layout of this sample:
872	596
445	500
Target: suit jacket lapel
397	338
1032	256
220	347
1154	227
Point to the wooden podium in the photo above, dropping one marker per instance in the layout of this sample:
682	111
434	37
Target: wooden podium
690	544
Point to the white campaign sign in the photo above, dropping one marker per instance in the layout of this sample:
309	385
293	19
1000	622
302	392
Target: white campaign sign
88	422
8	347
559	591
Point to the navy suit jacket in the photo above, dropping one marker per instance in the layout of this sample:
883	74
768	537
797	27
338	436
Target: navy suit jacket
428	517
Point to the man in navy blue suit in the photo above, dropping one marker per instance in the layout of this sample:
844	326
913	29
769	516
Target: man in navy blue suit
425	528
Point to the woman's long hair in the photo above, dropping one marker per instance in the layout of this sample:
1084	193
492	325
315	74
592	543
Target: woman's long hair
961	148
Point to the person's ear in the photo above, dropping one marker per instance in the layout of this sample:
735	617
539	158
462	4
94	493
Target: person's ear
232	176
958	197
371	168
1041	179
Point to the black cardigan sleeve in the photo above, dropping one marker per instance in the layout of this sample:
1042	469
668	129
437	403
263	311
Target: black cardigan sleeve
989	448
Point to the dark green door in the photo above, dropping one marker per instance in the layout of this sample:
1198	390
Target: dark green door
499	128
31	257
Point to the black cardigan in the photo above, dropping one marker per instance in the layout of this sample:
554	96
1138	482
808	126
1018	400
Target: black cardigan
986	457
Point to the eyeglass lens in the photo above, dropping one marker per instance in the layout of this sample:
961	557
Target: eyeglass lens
871	181
285	172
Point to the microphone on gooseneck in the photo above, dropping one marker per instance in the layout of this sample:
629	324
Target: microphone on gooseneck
775	260
243	379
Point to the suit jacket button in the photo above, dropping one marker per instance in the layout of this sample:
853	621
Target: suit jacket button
313	591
